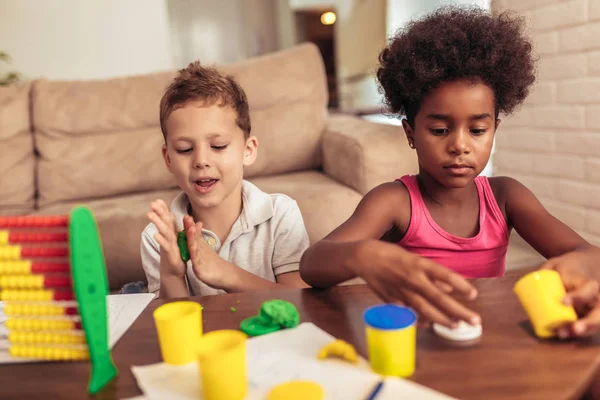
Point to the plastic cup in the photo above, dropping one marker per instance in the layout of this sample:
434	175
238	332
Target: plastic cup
541	294
179	326
222	364
391	339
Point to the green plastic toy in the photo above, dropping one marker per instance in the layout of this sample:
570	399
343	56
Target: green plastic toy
88	270
183	246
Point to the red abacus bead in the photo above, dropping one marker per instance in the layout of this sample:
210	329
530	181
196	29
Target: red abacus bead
78	325
71	311
63	295
34	221
38	268
44	252
36	237
57	282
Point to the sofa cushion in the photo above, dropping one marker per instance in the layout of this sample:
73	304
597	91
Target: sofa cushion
99	138
16	151
324	203
102	138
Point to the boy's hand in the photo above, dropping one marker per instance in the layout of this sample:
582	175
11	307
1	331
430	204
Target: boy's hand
208	266
171	263
397	275
583	292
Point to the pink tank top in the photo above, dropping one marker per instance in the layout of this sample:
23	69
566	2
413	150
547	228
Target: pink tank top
483	255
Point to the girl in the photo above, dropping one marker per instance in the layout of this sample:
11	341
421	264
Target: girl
416	239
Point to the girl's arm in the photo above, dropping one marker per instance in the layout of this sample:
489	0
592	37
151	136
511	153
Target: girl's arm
546	234
577	261
354	249
330	260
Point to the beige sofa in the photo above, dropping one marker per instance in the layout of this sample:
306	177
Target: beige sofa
98	143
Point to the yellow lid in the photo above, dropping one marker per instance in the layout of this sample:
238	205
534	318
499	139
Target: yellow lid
297	390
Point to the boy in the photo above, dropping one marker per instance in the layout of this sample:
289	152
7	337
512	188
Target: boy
239	238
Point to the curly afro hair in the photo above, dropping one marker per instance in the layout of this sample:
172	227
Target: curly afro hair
457	43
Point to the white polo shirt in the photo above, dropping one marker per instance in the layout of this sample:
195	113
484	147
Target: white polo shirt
267	239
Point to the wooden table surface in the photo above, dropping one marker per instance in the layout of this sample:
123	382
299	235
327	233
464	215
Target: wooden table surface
508	362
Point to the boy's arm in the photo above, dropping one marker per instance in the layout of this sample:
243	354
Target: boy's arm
218	273
167	287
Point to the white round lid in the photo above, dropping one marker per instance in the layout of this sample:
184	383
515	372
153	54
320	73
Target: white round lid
462	332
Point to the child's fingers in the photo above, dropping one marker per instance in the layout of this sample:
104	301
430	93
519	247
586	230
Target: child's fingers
451	308
162	242
188	222
585	295
444	287
161	209
451	278
426	309
160	224
589	324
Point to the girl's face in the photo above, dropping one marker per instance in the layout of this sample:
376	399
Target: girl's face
454	131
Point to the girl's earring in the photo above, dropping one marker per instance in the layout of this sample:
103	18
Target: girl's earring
411	145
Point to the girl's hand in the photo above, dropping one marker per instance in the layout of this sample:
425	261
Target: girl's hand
397	275
583	292
171	264
208	266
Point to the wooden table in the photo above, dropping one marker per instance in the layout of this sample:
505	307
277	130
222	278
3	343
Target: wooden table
507	363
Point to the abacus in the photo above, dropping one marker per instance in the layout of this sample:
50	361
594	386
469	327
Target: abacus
54	285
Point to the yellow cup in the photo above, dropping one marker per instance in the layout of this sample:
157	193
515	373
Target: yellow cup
222	362
179	325
391	339
541	294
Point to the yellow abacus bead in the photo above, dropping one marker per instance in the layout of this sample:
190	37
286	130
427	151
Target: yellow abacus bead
20	309
15	267
26	295
23	324
22	282
3	238
10	252
49	353
45	338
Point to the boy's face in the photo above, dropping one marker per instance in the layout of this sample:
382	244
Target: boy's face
454	132
206	151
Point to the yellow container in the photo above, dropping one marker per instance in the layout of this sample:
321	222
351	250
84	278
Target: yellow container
222	364
391	339
179	326
541	294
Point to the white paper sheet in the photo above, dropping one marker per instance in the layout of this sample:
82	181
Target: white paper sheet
280	357
123	310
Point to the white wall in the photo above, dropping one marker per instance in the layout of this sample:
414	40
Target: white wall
400	12
76	39
90	39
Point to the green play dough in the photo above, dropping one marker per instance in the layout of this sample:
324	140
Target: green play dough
280	312
183	247
254	326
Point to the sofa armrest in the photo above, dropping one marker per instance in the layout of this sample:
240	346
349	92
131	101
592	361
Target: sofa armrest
364	154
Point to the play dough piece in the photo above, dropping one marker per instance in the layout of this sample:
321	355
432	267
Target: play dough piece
279	312
254	326
339	348
463	332
183	247
297	390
